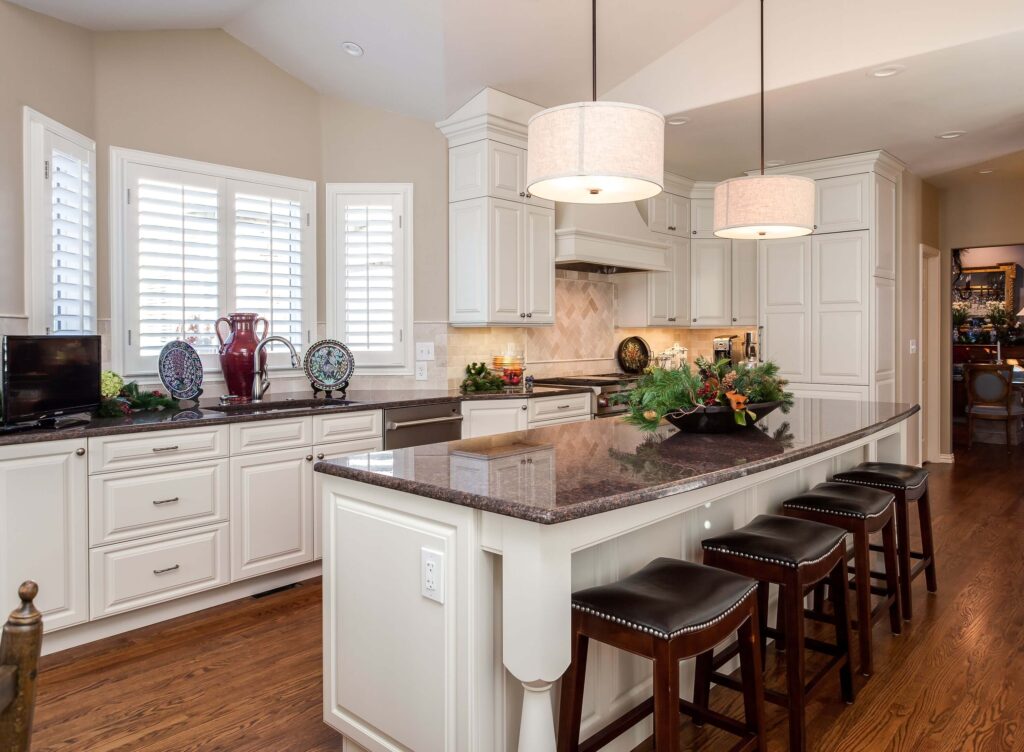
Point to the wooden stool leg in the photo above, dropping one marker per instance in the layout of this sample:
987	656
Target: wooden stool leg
570	711
862	562
702	683
753	680
903	550
840	604
924	511
791	604
891	578
666	699
762	616
818	604
782	622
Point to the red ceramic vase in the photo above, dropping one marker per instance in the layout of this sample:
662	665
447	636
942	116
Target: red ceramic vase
238	349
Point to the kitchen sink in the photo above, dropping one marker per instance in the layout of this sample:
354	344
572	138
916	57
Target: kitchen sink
278	406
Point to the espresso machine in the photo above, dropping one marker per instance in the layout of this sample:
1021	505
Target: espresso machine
722	348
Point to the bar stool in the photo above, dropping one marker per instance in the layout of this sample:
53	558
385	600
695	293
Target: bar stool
796	555
908	484
668	611
861	511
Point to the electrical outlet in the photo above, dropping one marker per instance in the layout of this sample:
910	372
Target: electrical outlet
913	347
421	371
424	351
432	574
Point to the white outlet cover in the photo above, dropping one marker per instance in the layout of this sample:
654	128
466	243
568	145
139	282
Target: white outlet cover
424	351
913	347
432	574
421	371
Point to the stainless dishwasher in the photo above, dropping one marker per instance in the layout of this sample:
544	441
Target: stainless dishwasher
422	424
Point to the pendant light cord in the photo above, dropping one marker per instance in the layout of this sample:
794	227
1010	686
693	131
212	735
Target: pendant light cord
593	48
762	86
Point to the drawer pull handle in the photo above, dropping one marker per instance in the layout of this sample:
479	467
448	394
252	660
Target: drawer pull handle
166	570
158	502
166	448
564	407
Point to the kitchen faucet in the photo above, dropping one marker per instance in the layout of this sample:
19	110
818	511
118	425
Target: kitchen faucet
260	379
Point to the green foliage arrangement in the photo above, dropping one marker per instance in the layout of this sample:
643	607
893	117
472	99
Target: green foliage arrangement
660	392
480	379
120	398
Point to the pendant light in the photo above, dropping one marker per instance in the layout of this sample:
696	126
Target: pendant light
762	206
596	152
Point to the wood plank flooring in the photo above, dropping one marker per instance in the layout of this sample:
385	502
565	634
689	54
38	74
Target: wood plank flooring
247	676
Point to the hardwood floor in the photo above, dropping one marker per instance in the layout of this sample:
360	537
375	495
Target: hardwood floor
246	676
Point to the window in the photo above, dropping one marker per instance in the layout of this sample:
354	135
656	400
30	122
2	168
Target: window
198	241
369	257
60	227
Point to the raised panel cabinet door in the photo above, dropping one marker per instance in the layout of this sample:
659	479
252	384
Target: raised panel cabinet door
467	171
657	213
659	298
326	453
506	253
506	171
744	282
702	218
44	529
489	417
885	228
678	215
467	261
710	282
840	295
784	299
271	511
539	265
843	204
679	308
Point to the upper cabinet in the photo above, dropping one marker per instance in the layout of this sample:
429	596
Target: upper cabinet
702	217
744	282
657	298
710	282
843	204
667	213
489	168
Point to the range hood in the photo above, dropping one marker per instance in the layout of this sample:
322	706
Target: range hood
607	239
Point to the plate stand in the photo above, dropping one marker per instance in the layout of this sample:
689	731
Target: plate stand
342	387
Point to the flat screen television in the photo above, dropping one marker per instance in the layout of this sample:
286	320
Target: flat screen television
48	377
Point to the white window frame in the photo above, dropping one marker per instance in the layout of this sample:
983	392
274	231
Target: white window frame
38	218
121	162
402	364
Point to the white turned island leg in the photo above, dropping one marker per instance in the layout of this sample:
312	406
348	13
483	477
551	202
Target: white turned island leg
536	622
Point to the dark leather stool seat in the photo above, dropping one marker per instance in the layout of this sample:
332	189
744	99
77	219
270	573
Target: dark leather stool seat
667	597
909	484
843	499
885	475
668	611
779	540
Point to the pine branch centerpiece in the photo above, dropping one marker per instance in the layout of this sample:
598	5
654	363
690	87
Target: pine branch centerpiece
747	392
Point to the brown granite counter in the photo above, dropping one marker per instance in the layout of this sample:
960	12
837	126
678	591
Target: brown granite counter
205	415
580	469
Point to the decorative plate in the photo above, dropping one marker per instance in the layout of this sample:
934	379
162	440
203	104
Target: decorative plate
633	354
328	365
181	370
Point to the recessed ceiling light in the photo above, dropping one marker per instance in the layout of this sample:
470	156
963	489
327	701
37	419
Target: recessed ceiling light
352	49
986	172
678	120
774	163
887	71
951	134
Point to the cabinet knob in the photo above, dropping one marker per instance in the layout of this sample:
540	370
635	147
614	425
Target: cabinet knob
529	195
671	318
320	456
695	321
80	451
694	232
734	318
523	407
522	315
309	458
522	194
529	315
671	228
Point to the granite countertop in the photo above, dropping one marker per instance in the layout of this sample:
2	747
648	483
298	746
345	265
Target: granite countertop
580	469
204	415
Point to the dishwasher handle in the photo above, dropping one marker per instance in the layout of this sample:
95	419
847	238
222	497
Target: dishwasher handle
395	425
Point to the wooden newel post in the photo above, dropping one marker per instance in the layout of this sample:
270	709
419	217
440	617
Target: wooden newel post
19	657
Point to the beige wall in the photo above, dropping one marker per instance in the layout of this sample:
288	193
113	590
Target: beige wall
47	65
361	144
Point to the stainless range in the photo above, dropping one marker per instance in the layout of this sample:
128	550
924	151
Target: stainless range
604	385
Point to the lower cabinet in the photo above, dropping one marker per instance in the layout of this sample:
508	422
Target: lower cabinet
326	453
271	511
488	417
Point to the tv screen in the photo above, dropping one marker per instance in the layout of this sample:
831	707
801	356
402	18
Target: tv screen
45	377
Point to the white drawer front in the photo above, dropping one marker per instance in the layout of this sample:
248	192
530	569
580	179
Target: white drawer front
348	426
559	421
265	435
558	407
158	448
135	504
126	576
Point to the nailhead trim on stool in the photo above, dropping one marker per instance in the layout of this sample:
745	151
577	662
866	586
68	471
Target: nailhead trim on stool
841	514
780	562
878	485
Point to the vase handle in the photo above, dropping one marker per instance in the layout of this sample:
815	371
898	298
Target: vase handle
266	328
216	328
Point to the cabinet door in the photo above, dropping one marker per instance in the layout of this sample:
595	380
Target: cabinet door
468	235
678	215
680	308
744	282
539	265
784	292
326	453
710	282
839	328
506	250
657	213
659	298
271	511
506	171
44	530
488	417
702	218
467	171
843	204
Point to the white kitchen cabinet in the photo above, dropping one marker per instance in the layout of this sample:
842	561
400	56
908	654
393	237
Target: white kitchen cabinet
559	408
490	168
744	282
527	476
657	298
44	529
784	282
710	282
333	451
843	204
840	268
702	218
488	417
501	263
667	214
271	511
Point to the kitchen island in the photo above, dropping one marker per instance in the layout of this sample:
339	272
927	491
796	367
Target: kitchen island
449	567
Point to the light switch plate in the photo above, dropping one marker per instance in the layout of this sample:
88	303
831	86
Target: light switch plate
913	347
424	351
421	371
432	574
